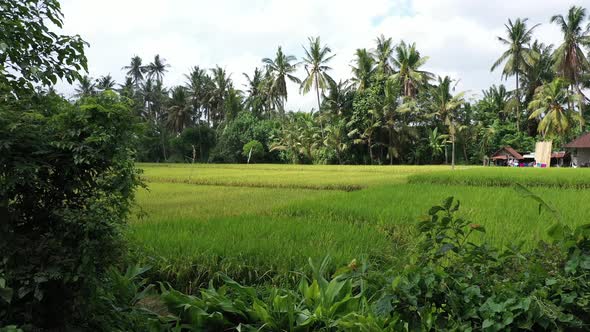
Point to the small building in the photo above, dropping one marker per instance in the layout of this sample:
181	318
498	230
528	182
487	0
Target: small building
580	151
506	156
560	159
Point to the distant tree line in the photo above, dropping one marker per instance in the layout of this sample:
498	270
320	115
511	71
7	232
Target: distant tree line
390	111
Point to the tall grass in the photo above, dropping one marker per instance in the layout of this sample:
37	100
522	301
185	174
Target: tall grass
258	225
508	176
346	178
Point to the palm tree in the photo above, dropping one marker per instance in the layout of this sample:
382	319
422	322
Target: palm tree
408	61
221	85
197	85
254	92
86	87
105	83
280	69
570	61
179	110
365	65
336	138
444	105
316	66
540	71
519	55
339	99
497	99
550	105
436	142
135	70
127	89
383	53
157	68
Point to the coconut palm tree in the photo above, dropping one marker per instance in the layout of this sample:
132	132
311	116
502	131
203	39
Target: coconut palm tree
363	71
198	85
86	87
339	99
157	68
281	69
316	66
221	85
135	70
519	55
444	105
497	99
127	89
383	53
570	61
254	92
407	62
550	106
179	110
105	83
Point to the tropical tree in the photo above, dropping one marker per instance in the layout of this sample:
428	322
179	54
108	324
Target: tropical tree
157	68
444	105
281	69
254	92
437	142
179	110
550	106
519	55
316	66
497	100
336	138
127	89
570	61
135	70
363	71
199	87
339	99
105	83
86	87
383	54
408	74
221	85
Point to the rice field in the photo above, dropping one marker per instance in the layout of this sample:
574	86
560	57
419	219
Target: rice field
261	223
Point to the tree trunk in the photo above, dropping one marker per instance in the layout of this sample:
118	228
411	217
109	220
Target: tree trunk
370	150
517	104
317	91
453	152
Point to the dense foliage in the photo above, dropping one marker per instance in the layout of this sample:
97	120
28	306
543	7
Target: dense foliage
67	177
31	52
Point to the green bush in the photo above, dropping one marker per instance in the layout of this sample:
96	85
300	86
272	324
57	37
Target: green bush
253	150
67	180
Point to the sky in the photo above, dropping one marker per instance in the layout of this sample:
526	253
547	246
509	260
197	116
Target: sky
458	36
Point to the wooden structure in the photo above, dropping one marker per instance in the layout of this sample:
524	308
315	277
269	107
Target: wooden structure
580	151
543	153
506	156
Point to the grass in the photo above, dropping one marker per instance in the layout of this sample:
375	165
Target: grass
260	223
283	176
507	176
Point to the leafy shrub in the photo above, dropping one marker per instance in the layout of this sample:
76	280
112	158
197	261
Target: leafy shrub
67	179
253	150
194	143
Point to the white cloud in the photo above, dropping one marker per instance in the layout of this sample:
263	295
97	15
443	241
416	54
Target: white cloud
458	35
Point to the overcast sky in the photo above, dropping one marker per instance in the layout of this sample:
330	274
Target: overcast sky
459	36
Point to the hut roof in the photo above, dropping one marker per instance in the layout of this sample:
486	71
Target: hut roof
508	150
580	142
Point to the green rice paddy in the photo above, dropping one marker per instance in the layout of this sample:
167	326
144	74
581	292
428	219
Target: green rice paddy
261	223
